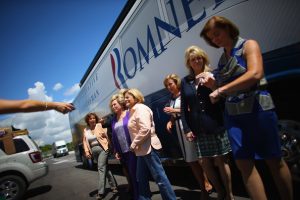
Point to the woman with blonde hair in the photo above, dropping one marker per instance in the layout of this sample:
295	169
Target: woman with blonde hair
145	145
203	123
121	140
188	148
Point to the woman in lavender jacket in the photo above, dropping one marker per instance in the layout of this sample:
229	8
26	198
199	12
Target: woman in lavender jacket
121	140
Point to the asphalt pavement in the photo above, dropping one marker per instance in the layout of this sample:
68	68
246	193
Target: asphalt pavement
67	179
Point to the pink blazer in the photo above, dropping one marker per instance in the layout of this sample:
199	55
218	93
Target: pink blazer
101	135
142	130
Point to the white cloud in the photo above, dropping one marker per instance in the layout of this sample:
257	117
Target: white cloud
39	92
44	127
73	90
6	122
57	86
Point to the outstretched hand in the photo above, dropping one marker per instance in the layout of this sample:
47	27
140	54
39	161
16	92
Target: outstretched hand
63	107
30	105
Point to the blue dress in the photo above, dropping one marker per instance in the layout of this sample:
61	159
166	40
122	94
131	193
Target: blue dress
249	118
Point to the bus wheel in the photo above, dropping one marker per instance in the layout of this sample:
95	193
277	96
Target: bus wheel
289	132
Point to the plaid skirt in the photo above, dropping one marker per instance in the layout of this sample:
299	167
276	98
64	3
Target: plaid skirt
212	145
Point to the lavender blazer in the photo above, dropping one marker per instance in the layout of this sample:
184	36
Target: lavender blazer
115	140
142	130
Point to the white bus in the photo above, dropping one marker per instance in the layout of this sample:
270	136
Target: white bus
148	41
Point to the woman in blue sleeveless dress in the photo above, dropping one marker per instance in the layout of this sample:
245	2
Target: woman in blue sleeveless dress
250	118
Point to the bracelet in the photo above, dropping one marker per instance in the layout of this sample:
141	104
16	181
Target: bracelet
46	105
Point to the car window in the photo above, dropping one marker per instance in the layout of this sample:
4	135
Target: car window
19	144
62	146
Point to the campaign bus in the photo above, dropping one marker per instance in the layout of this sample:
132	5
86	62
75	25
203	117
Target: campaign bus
148	40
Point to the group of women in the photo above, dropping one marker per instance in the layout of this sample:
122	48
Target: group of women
215	112
135	144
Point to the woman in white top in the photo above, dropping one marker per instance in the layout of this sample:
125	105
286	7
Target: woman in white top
172	82
95	143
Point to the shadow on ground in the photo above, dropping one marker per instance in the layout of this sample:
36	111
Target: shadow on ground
37	191
182	176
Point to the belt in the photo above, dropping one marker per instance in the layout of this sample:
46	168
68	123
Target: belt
246	105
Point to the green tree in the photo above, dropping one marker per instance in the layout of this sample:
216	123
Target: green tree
70	146
46	148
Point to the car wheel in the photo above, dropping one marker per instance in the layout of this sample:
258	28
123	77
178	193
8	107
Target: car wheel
289	132
12	187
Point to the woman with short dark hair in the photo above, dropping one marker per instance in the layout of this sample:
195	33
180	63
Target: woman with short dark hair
250	118
95	143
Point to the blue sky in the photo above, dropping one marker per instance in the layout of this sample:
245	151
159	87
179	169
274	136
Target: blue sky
47	45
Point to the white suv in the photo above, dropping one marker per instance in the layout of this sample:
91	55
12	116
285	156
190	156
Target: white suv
20	169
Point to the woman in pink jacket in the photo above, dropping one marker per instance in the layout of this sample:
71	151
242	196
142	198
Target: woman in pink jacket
145	144
95	143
